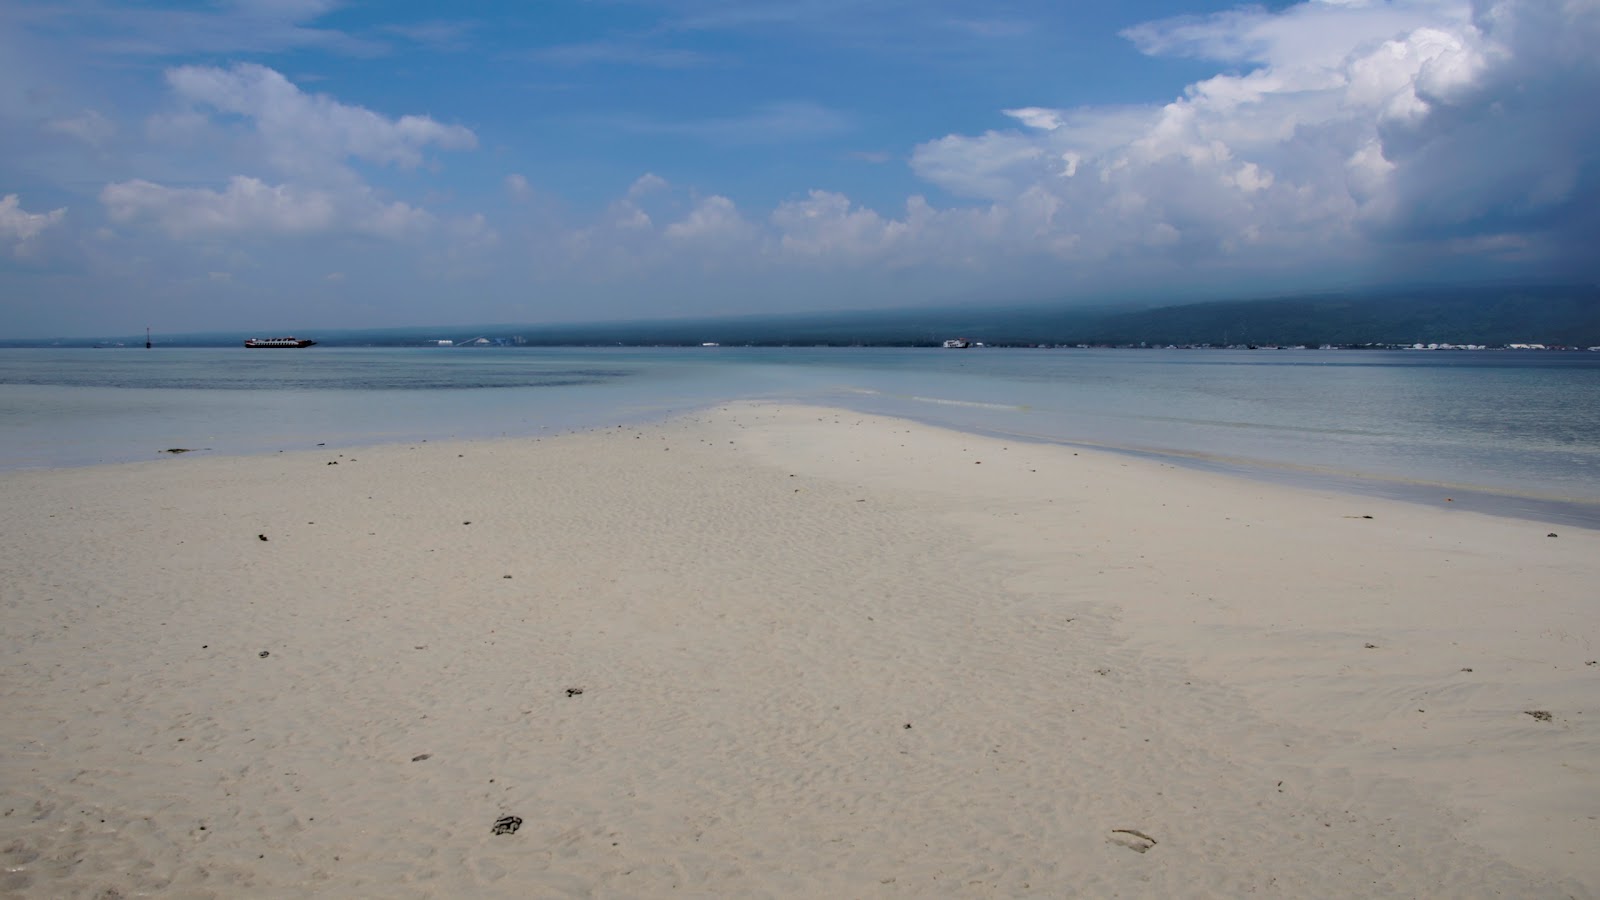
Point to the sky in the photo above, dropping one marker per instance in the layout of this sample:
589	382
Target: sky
298	164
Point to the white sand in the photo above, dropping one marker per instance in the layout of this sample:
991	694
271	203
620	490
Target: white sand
755	604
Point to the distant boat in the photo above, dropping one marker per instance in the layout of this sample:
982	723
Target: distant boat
957	344
278	342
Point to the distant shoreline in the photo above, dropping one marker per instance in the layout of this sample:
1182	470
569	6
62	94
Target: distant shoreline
1488	316
334	343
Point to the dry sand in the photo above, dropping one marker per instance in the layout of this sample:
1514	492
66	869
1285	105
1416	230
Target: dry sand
777	651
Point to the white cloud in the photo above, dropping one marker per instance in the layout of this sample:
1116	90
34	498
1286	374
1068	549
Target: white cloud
648	183
1337	130
249	207
1315	34
1358	137
1356	123
825	225
246	205
473	230
19	228
993	166
655	228
89	126
714	220
1355	127
307	138
628	212
395	221
309	134
1034	117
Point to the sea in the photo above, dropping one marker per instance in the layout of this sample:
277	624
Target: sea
1506	432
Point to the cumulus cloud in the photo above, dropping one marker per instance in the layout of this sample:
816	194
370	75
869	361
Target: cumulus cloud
1344	136
1337	132
629	212
826	225
310	140
307	134
1353	123
1510	139
246	205
715	220
657	227
648	183
19	228
249	206
1346	131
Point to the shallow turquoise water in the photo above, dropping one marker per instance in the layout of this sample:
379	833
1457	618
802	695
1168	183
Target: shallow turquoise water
1523	427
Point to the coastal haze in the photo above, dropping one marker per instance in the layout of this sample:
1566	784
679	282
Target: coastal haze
798	450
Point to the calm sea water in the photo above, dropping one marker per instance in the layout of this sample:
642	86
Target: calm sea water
1510	432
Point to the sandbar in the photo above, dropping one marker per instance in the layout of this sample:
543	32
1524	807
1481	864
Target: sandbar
783	651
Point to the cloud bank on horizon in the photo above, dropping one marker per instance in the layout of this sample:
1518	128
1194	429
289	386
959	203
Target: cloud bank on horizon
258	162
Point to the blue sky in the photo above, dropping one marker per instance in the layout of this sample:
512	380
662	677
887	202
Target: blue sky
303	164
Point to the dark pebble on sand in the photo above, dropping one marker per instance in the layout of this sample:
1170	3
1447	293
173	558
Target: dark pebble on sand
264	654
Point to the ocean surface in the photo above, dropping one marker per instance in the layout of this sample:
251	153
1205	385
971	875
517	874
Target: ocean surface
1509	432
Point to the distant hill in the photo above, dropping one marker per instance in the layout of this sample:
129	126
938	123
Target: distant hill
1549	315
1494	316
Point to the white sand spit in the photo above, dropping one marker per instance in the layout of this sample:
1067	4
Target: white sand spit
786	652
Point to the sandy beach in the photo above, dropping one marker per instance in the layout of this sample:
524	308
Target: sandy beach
770	651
